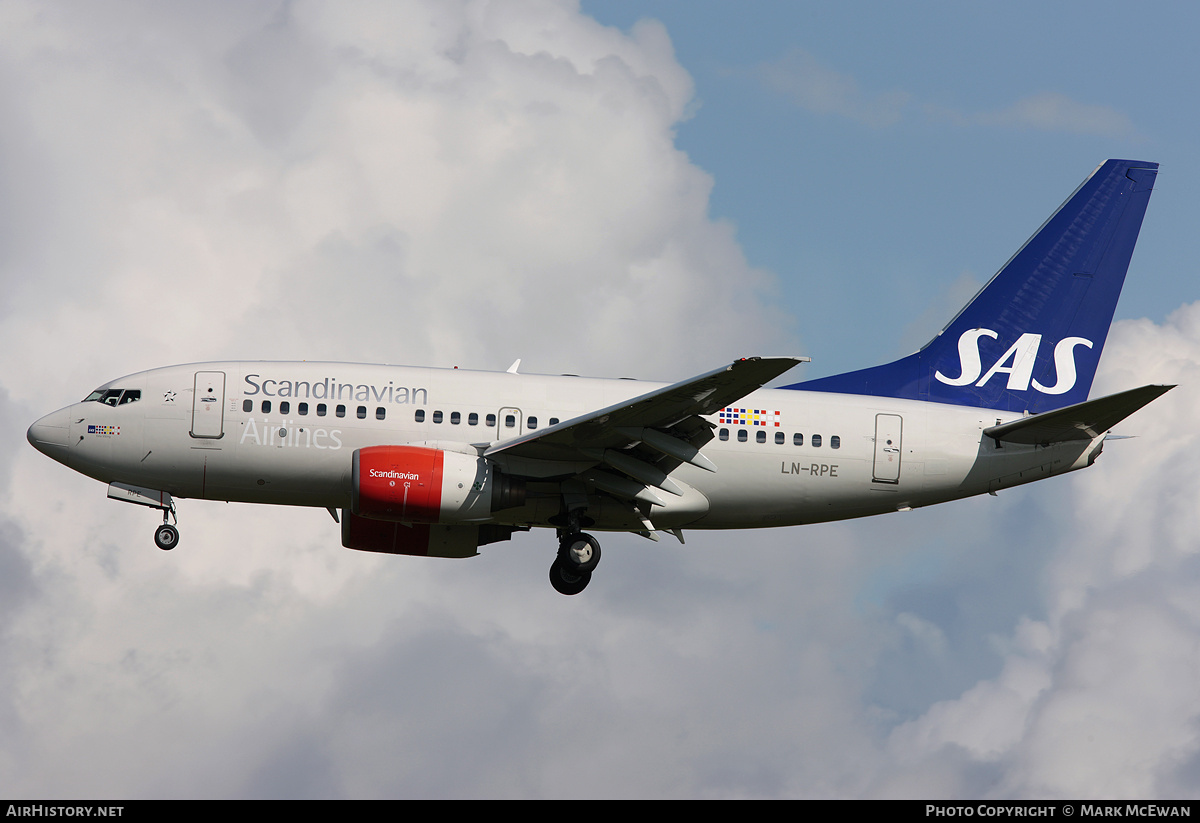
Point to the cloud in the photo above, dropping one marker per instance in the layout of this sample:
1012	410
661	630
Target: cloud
431	183
812	85
1048	112
289	180
1096	699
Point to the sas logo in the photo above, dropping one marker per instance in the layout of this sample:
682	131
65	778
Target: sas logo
1017	362
104	429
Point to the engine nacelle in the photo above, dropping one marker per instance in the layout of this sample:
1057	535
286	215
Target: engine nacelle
414	484
420	539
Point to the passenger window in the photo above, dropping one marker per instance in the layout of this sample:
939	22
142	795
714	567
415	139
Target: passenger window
437	417
490	421
302	408
340	411
723	434
760	436
553	421
321	410
284	407
835	442
455	418
362	412
266	407
816	441
533	422
741	435
797	439
473	419
420	415
779	438
247	405
510	421
380	413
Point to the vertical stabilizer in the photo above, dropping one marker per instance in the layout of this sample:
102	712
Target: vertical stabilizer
1030	340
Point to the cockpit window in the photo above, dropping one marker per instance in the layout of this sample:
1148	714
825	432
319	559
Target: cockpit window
114	397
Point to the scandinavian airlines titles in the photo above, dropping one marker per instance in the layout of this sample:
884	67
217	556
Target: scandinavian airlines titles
331	389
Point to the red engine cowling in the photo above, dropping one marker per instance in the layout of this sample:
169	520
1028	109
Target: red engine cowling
420	539
415	484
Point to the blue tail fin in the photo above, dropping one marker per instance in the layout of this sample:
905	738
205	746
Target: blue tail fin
1031	338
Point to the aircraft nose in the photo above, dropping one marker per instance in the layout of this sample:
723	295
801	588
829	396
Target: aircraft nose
50	435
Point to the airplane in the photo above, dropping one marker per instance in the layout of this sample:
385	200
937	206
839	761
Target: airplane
440	462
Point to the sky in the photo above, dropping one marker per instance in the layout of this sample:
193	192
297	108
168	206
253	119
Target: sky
615	189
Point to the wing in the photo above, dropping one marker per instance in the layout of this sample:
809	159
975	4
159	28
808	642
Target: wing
1083	421
647	437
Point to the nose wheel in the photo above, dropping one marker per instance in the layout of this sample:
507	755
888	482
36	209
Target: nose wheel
166	537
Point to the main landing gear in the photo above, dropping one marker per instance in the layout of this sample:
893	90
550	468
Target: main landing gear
578	556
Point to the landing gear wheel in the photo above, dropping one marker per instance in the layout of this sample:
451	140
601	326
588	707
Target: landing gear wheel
579	553
565	582
166	537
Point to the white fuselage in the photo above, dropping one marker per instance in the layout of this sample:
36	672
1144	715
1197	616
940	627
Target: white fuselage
285	432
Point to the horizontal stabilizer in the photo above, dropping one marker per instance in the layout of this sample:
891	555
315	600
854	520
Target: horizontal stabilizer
1083	421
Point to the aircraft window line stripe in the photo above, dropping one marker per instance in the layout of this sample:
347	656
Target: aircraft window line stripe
419	415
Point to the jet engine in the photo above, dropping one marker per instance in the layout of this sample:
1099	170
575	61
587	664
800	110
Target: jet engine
416	484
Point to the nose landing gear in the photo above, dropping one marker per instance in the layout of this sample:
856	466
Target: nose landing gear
166	536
